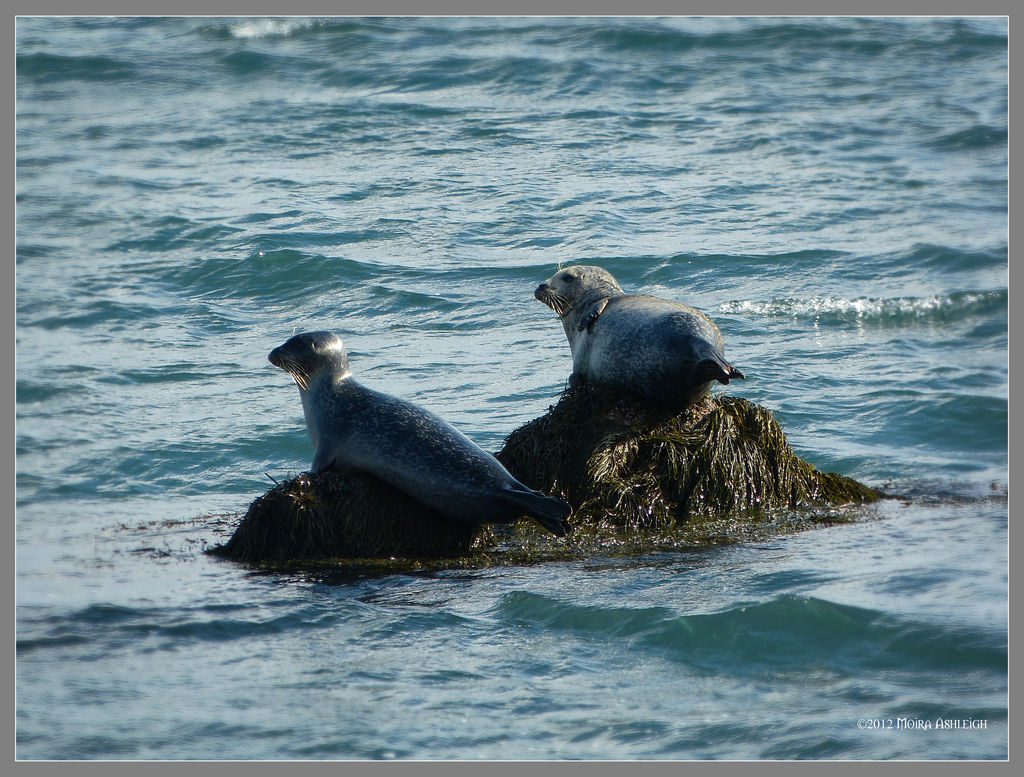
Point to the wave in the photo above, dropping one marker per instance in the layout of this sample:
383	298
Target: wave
281	275
102	627
787	632
936	491
566	57
103	311
45	68
977	268
852	37
972	138
174	234
249	29
947	260
634	34
896	311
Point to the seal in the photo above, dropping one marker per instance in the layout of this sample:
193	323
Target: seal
354	427
664	352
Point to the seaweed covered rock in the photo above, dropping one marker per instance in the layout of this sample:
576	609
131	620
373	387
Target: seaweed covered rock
638	480
342	515
620	464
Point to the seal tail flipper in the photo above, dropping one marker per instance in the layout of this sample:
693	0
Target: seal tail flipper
549	511
714	368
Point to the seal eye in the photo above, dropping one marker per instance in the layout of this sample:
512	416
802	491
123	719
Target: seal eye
568	277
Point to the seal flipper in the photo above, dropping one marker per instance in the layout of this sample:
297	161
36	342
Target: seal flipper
587	322
715	368
550	512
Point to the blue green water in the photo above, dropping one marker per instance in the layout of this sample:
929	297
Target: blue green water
190	192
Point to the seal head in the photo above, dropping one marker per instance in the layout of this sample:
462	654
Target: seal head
574	289
666	353
311	352
354	427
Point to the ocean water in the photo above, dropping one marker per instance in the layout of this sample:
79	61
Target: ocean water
192	191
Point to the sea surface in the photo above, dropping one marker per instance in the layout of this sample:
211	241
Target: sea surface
193	191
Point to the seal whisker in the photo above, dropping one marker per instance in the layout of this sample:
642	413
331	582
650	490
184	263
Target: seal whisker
560	304
293	368
554	300
299	374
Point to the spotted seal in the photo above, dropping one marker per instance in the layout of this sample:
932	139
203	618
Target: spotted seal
662	351
354	427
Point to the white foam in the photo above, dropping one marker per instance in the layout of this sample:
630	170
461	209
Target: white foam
267	28
859	308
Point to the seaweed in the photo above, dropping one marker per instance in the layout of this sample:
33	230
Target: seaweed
342	515
616	461
639	480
